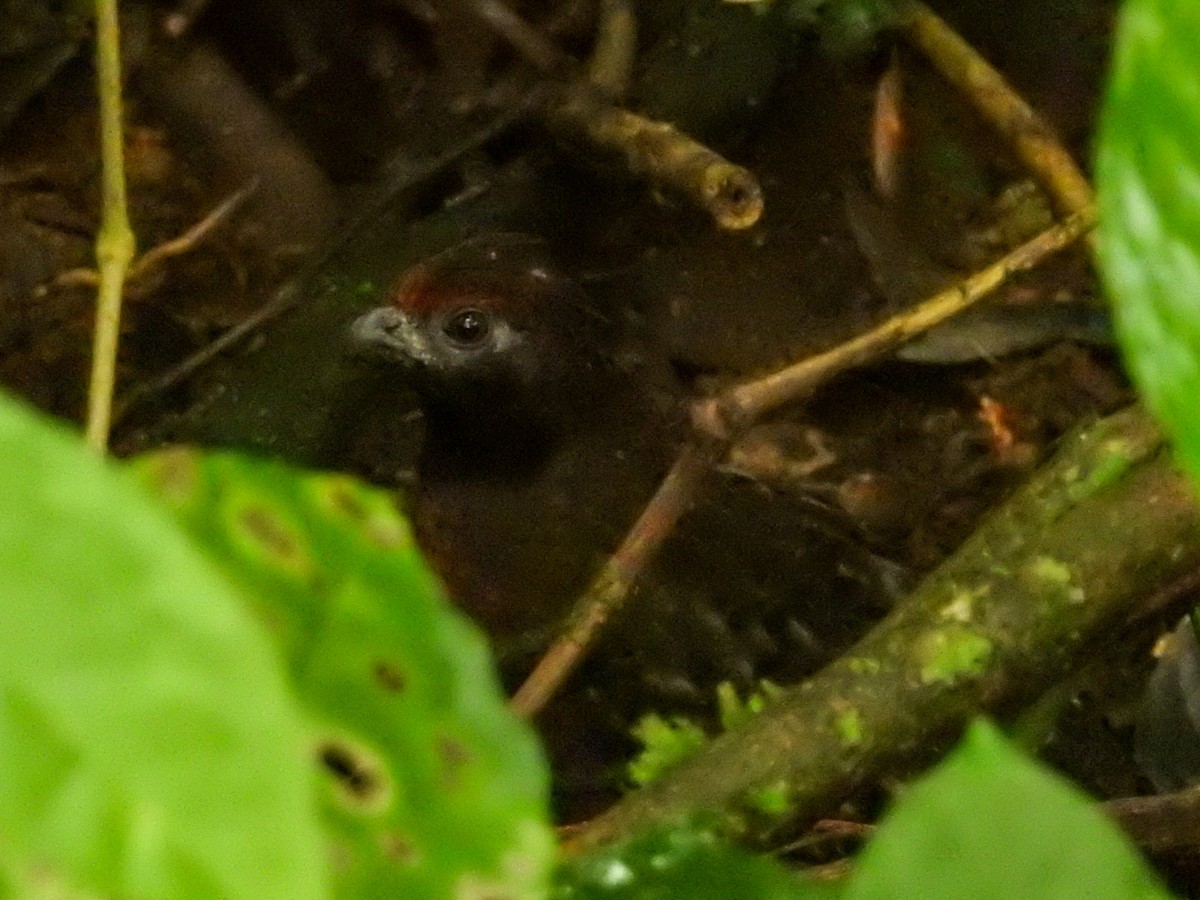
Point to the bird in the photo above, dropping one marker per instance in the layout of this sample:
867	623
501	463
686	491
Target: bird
549	421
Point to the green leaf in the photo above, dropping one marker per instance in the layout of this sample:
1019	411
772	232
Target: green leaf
1148	183
148	746
685	863
989	822
430	787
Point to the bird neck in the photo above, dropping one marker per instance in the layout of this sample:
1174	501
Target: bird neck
509	432
516	512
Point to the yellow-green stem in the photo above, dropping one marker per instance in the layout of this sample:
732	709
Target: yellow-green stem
114	243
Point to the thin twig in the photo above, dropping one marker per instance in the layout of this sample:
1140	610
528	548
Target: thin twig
728	413
1032	138
611	586
153	259
115	242
190	239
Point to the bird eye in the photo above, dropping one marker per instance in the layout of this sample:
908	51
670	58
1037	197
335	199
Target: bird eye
467	327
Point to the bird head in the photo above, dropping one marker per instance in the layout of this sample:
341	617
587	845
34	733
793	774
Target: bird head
491	325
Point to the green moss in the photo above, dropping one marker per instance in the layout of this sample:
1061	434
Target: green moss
961	607
863	665
732	710
773	800
952	655
665	743
849	725
1046	570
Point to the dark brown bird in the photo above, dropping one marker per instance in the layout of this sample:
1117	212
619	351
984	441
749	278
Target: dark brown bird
548	425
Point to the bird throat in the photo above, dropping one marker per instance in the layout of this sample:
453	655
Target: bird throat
517	508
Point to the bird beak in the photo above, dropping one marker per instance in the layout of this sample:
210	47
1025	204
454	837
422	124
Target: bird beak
387	333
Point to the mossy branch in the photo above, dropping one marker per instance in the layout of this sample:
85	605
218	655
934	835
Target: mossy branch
1098	528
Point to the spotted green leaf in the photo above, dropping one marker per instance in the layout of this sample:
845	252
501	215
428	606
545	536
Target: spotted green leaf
430	788
149	747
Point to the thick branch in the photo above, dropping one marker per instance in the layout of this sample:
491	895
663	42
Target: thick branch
1098	528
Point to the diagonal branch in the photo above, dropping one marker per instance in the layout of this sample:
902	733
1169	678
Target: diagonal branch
720	420
1017	607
